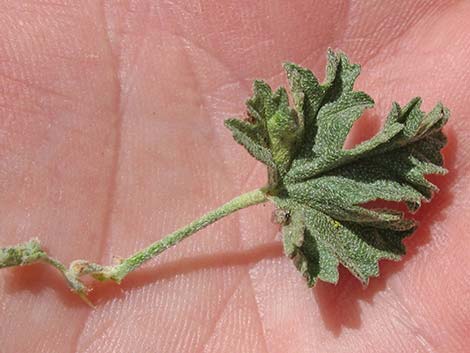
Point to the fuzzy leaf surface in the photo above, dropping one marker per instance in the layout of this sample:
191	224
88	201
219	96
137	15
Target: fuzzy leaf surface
323	186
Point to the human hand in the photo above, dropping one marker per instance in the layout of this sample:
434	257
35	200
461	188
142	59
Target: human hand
111	125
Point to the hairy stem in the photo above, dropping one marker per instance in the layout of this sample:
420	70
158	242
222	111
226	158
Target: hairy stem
31	252
136	260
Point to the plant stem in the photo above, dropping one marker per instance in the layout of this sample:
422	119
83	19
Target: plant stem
131	263
31	251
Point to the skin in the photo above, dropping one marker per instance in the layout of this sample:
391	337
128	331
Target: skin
111	136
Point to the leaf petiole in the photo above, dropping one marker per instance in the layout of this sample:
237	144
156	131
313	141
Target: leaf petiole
131	263
31	252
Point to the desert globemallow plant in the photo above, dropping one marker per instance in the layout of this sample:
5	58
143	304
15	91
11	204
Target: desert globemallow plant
319	188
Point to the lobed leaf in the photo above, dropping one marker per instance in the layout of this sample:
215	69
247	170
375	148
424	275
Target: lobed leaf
323	186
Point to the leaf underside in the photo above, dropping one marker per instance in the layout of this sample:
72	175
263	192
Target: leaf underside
322	186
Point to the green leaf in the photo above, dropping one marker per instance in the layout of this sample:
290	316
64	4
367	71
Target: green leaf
325	187
273	130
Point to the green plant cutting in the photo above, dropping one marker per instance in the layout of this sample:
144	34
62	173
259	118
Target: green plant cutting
322	191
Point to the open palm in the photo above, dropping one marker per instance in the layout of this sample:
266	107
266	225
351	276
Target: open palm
111	136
